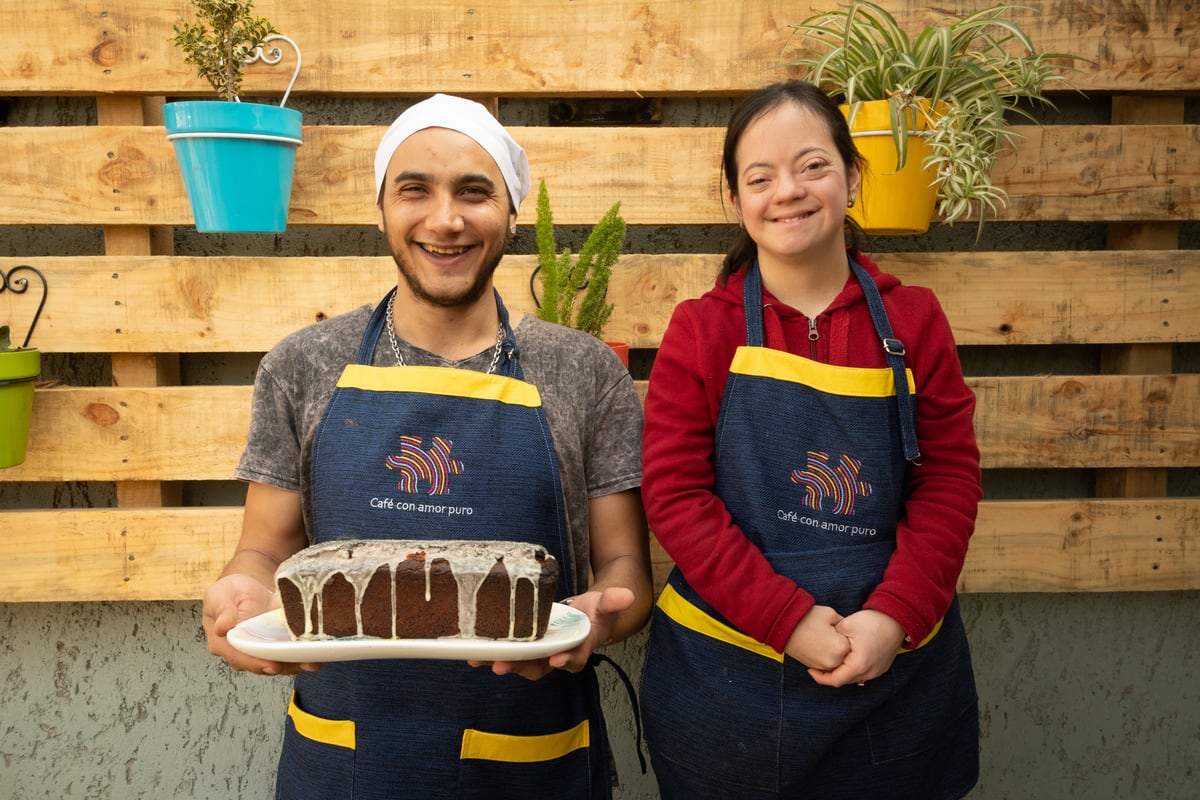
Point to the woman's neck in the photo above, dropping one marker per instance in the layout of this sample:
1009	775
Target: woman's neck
808	286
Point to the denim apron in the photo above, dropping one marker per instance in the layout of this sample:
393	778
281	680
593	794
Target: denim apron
440	728
810	460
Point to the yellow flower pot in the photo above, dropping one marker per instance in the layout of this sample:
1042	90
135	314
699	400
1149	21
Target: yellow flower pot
891	202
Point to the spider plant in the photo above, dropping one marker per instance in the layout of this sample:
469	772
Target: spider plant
963	78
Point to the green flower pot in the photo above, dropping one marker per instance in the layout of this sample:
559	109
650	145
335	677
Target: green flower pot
18	370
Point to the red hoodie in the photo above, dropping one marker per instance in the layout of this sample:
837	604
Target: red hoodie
684	399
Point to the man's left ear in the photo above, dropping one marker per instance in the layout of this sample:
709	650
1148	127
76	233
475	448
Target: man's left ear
512	225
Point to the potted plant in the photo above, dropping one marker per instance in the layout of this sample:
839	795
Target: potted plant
237	158
930	111
564	277
19	368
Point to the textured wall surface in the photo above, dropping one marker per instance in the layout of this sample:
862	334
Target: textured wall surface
1081	696
122	700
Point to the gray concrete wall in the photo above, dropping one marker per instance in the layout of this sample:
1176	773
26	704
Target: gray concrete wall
1081	696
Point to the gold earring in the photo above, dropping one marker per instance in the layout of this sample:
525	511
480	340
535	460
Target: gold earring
850	204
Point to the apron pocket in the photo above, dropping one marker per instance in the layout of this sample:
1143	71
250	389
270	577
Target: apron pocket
317	758
931	689
548	767
711	707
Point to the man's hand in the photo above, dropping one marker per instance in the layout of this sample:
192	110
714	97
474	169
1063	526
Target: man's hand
602	608
229	601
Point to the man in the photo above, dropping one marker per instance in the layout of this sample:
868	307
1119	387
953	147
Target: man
449	181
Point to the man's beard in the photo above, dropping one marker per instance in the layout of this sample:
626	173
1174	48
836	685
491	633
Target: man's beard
465	298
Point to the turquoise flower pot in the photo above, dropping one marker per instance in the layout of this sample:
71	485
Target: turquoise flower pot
237	161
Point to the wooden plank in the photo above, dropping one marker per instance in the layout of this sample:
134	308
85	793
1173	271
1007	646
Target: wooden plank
1101	545
1100	421
176	433
1075	172
1143	358
125	175
1069	546
131	369
500	47
115	554
1019	546
191	305
160	433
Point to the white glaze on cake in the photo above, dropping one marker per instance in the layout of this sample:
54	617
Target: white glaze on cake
358	560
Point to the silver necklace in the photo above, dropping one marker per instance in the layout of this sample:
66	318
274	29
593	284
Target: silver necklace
391	332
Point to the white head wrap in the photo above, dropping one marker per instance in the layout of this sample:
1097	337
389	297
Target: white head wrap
466	117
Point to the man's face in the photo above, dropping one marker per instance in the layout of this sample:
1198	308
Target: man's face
445	211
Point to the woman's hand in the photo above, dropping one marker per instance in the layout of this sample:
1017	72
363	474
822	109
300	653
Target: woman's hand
817	642
875	639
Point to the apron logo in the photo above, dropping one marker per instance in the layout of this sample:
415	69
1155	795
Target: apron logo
433	466
822	480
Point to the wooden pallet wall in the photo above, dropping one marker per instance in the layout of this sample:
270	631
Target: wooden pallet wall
1132	420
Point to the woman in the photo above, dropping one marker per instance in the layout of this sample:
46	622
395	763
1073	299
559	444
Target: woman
811	467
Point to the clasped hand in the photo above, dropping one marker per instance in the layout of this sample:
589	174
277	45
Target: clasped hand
839	651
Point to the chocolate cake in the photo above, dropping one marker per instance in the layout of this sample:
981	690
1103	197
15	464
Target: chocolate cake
404	589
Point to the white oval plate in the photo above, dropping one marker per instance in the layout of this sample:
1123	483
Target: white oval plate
266	636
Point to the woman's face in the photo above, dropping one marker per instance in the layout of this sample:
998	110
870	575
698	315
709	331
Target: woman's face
792	187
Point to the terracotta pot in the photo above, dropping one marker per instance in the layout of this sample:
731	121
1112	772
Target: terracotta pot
622	351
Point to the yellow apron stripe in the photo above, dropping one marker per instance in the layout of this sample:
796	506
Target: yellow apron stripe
936	627
764	362
524	749
441	381
336	732
678	608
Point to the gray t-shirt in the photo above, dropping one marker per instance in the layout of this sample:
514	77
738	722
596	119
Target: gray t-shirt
588	396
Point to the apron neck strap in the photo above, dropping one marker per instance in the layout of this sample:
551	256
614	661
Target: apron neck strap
893	349
753	306
509	366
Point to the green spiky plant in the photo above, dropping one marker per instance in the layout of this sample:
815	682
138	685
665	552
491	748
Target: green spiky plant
6	343
218	44
563	276
5	339
963	77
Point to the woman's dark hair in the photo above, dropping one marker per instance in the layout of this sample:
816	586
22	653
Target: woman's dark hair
753	106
